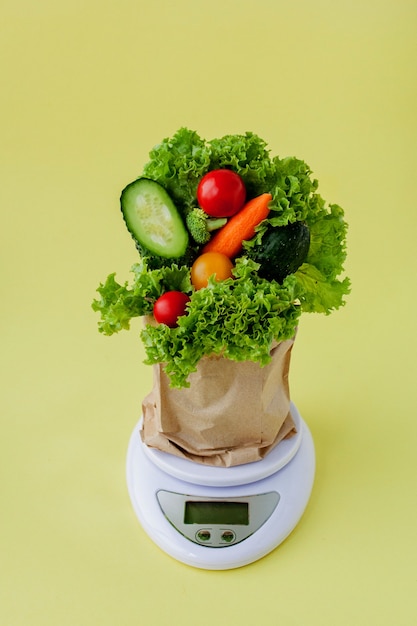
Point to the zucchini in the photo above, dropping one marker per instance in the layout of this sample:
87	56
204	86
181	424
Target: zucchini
153	219
282	251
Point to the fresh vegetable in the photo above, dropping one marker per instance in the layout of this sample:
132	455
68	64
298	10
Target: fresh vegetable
178	163
248	156
118	304
320	287
238	317
282	251
153	220
169	307
200	225
214	264
221	193
229	239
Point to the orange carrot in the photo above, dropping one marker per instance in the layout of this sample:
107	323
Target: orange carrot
241	227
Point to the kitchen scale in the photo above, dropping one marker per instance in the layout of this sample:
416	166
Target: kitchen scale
221	517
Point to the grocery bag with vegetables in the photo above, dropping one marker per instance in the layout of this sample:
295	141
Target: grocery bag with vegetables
233	245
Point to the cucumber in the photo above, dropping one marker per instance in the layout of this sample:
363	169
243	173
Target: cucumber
153	219
282	251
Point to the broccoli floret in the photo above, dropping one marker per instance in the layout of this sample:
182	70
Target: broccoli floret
200	225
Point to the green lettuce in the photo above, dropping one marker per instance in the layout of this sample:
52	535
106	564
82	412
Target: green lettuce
178	164
238	318
320	290
248	156
119	303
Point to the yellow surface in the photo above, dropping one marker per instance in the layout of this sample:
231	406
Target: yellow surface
87	88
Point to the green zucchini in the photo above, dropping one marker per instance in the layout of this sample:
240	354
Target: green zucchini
282	251
153	219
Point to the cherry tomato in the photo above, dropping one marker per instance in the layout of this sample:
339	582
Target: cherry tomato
221	193
168	308
209	264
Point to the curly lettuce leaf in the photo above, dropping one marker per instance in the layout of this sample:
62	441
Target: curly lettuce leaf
238	318
248	156
178	164
317	293
291	191
321	289
327	240
118	304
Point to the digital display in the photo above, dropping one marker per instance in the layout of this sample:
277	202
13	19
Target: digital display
210	512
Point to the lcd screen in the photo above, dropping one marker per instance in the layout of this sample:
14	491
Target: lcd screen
210	512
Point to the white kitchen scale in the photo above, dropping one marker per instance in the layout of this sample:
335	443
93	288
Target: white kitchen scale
221	518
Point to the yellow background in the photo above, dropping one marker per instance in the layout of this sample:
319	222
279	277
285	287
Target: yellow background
87	88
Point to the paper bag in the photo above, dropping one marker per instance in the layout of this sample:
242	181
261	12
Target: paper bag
232	413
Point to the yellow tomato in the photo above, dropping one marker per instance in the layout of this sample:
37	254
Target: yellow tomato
209	264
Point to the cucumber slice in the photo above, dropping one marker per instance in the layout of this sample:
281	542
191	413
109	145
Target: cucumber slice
153	219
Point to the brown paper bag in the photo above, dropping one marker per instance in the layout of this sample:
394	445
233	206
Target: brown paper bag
232	413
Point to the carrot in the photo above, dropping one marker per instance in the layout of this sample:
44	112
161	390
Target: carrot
241	227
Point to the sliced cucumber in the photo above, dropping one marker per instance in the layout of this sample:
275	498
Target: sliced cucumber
153	219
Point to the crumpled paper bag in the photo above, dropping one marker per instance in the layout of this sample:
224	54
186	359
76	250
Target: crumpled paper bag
232	413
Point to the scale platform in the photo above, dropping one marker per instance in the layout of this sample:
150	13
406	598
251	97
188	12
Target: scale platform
221	517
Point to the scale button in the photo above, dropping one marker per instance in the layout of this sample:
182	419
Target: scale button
228	536
203	535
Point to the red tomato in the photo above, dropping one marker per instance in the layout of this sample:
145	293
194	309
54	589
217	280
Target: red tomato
209	264
168	308
221	193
